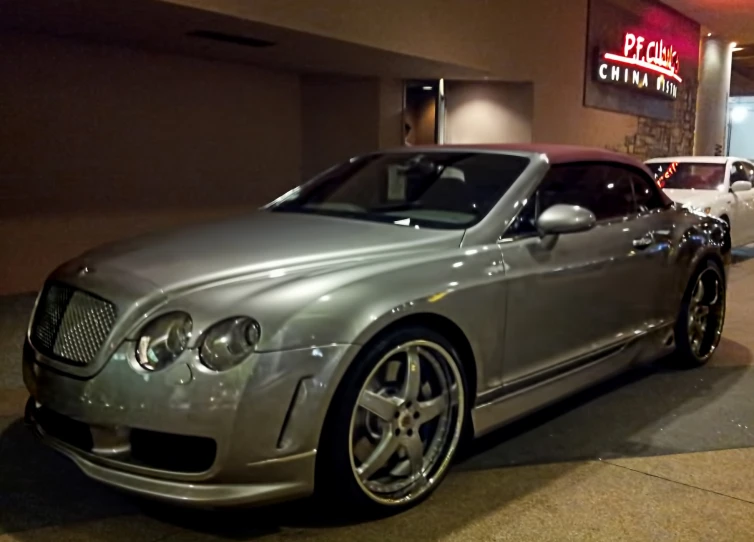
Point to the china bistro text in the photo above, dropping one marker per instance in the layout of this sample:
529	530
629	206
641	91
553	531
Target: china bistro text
648	66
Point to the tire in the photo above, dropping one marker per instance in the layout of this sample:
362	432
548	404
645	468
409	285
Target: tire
394	424
701	318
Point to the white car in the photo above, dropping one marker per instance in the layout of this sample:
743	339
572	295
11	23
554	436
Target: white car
720	186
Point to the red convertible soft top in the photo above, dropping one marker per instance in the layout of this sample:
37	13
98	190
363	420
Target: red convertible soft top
559	154
556	154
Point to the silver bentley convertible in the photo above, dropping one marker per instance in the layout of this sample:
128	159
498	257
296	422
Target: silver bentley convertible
347	337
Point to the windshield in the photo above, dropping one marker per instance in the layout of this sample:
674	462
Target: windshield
690	176
451	190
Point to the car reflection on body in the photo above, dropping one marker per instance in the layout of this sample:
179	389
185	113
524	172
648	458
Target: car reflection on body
720	186
343	339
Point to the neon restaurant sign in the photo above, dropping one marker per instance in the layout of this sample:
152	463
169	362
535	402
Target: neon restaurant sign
648	66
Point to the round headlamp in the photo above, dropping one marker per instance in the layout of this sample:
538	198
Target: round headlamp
699	210
162	340
228	343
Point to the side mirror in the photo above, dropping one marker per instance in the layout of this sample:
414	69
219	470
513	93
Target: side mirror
740	186
565	219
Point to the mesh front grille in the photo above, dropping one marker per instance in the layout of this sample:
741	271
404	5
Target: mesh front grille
49	314
71	325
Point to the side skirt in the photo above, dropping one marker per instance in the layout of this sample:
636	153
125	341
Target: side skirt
521	397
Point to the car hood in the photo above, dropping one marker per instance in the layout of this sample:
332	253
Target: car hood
262	242
697	198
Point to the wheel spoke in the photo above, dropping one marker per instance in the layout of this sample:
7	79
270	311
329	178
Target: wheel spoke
395	455
702	326
379	457
699	292
402	469
716	291
415	449
381	406
412	378
429	410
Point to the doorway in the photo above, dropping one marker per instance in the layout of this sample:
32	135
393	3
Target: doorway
422	112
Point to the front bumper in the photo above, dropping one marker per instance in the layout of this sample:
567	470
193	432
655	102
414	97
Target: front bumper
264	418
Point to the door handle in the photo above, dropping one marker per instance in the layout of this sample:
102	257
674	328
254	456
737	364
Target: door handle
644	241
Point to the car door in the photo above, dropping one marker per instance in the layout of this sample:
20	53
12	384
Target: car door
654	225
744	203
572	295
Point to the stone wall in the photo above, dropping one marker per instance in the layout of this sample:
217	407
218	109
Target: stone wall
653	126
656	138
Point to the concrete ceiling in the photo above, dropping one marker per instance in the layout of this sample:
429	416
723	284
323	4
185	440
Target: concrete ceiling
163	27
743	61
733	19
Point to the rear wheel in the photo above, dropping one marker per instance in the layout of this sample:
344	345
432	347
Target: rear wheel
395	423
702	316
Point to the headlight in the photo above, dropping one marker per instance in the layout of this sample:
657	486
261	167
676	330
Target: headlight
228	343
163	340
699	210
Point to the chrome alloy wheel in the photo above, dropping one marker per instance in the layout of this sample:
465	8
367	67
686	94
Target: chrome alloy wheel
706	314
407	422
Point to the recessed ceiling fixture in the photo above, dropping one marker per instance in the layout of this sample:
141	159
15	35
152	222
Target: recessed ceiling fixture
229	38
427	87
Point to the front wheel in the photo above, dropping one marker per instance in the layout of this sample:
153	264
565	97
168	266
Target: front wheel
395	423
700	323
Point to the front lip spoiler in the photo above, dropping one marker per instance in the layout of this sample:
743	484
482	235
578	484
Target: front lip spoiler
187	494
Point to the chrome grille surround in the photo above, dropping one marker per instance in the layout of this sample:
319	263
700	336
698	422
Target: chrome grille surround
71	325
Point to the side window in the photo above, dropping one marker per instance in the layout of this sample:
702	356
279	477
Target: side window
597	187
646	193
525	223
605	190
739	172
749	169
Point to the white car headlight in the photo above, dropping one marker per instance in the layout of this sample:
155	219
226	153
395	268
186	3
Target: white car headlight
701	210
162	340
228	343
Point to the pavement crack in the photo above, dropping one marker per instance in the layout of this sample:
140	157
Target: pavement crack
707	490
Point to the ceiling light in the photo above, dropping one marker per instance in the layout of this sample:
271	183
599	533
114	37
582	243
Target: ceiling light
427	87
709	34
738	114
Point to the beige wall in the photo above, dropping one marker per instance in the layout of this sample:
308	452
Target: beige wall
488	112
391	113
346	116
541	41
340	119
100	143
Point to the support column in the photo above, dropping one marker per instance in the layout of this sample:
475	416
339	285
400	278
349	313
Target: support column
712	100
